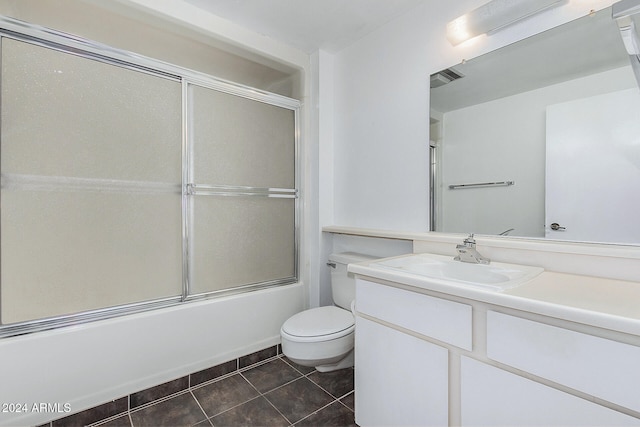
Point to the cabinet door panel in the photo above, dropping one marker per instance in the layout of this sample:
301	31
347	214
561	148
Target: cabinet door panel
493	397
400	379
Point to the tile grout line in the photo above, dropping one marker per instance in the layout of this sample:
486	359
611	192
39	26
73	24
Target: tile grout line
111	418
344	404
259	363
234	406
277	410
240	372
190	388
253	398
261	394
274	406
206	417
288	362
336	400
237	371
307	375
303	375
330	394
229	375
213	380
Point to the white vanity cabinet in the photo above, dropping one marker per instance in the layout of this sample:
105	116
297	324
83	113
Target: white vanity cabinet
430	358
402	378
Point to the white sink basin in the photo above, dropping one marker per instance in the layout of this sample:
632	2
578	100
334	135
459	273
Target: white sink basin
495	276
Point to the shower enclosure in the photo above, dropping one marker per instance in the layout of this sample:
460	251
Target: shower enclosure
130	184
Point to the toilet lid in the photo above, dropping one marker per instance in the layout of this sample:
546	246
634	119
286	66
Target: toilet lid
318	322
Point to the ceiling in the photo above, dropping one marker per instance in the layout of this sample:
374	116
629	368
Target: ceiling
309	25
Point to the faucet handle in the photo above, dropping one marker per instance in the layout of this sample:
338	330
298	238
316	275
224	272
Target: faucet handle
470	239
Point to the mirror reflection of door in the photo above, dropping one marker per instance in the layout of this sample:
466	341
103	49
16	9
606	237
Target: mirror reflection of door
593	168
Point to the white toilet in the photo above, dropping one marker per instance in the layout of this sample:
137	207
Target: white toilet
323	337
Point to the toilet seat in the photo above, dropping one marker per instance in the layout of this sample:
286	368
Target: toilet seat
319	324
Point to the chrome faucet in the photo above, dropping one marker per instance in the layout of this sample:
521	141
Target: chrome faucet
467	252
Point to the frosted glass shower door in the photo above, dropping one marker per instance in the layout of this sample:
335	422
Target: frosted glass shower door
241	241
243	205
91	184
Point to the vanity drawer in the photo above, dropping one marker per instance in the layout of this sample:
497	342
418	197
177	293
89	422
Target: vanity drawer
491	396
600	367
437	318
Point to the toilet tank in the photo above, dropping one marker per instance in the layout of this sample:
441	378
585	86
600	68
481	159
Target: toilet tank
343	284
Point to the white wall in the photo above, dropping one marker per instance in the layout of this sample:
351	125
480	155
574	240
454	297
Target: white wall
381	129
381	122
324	103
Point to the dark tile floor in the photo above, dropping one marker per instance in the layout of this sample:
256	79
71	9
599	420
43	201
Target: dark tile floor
274	393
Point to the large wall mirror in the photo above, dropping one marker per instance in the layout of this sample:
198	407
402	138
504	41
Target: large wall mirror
541	138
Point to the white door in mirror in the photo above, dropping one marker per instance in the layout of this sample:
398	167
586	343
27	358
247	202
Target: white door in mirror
593	165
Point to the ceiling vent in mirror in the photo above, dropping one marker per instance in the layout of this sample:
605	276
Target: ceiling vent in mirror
445	76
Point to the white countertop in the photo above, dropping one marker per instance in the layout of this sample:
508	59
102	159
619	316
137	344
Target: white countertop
600	302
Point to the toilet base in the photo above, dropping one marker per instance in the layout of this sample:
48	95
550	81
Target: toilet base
346	362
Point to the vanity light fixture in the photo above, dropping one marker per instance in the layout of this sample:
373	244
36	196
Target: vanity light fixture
493	16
